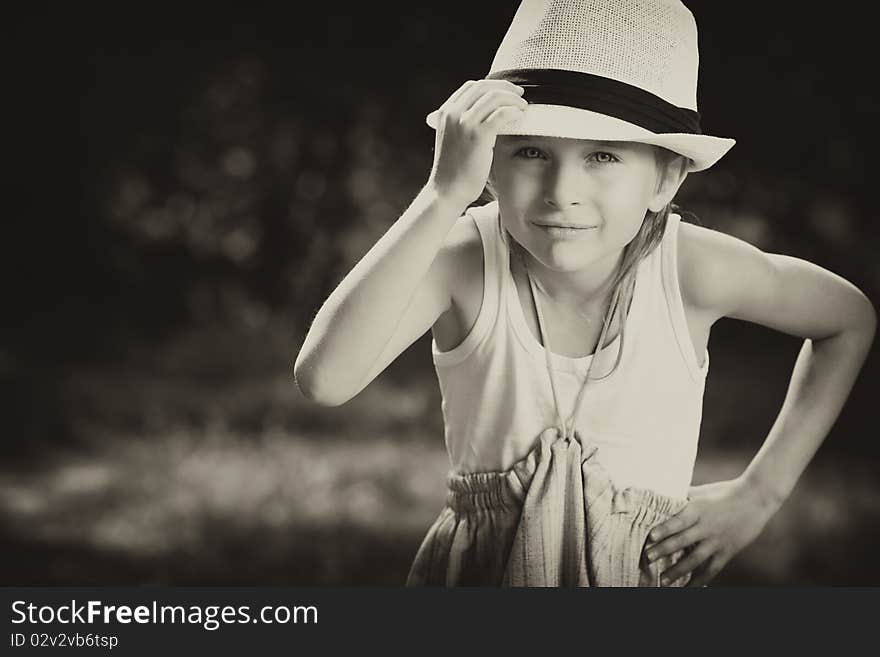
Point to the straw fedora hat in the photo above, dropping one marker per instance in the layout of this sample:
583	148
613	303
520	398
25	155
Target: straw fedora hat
614	70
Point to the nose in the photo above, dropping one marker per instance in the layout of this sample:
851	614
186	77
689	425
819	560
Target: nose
565	185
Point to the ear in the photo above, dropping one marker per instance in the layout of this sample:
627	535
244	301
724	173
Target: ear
671	176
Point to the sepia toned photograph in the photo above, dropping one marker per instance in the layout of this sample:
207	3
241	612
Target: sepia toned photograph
538	293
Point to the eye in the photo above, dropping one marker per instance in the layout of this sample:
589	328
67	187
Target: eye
529	153
604	157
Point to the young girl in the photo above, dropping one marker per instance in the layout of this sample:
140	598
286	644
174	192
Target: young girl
571	314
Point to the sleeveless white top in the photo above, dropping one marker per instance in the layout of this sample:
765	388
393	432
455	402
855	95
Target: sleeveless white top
645	417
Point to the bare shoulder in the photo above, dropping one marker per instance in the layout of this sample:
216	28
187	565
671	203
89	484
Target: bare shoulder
728	277
462	254
716	269
463	251
464	238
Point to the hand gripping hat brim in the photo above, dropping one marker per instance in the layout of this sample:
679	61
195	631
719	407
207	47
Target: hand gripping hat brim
610	70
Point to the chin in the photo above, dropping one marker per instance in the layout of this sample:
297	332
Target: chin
563	257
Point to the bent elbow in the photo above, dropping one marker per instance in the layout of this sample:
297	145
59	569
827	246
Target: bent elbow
868	316
872	315
871	322
311	387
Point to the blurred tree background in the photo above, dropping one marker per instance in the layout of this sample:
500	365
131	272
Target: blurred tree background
228	168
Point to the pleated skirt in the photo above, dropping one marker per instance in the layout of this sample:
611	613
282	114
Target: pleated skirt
554	519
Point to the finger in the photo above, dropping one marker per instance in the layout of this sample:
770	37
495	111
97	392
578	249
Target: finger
488	102
457	94
687	517
501	117
707	572
464	97
473	93
448	108
703	552
675	542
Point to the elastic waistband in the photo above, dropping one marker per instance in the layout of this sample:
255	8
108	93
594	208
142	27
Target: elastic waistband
481	491
506	490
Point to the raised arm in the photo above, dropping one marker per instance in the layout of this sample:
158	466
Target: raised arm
404	283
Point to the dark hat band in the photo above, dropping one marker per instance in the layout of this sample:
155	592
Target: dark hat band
603	95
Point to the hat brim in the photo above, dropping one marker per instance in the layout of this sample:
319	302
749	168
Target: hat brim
575	123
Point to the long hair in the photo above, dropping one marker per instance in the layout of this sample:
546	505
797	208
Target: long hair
645	241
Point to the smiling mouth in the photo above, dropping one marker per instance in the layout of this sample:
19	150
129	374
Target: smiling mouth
568	226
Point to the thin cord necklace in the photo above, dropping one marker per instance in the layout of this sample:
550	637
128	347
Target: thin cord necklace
590	318
567	427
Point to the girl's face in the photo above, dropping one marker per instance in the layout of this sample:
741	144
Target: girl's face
571	202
